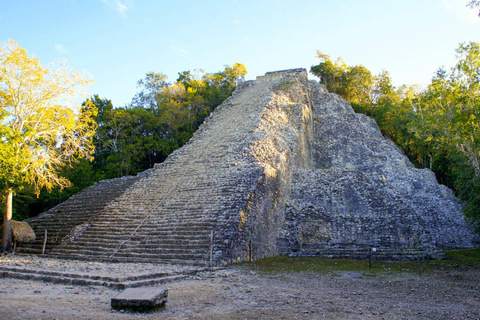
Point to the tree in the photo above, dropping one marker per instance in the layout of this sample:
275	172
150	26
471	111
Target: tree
449	110
384	91
153	83
474	4
355	84
332	75
359	85
42	128
448	119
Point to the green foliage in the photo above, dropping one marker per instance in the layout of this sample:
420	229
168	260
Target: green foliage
355	84
474	4
42	128
467	186
27	204
447	119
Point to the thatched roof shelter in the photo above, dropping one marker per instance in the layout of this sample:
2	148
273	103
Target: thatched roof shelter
22	232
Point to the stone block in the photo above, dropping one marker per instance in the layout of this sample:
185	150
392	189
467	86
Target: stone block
140	298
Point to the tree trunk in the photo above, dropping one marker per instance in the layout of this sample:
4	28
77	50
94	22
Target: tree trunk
7	223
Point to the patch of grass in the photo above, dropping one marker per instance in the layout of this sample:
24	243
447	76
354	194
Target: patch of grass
307	264
465	256
454	259
285	86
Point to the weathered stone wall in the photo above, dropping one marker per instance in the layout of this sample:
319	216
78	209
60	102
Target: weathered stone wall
279	144
363	191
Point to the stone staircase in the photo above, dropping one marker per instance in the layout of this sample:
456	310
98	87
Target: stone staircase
84	279
76	211
187	209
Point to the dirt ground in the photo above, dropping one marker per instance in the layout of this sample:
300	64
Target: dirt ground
242	292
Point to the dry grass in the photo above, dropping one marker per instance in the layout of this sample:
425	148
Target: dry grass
22	232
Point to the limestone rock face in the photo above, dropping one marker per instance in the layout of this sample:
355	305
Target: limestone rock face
363	192
281	167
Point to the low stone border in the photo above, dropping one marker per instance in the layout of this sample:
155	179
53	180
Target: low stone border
118	276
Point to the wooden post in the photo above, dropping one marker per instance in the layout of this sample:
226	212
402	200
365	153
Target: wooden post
370	257
211	249
7	223
250	251
44	241
372	250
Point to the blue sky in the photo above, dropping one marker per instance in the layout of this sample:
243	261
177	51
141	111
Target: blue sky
118	41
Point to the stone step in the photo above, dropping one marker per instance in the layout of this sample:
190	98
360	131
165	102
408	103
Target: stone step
181	234
80	256
199	223
173	255
125	251
160	243
178	216
128	256
157	244
86	280
30	250
170	246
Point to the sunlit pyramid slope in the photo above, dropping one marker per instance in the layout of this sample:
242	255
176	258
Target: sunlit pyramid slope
281	167
220	195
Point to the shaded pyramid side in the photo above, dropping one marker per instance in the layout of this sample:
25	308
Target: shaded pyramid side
363	192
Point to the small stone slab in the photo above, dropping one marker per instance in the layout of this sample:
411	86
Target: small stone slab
140	298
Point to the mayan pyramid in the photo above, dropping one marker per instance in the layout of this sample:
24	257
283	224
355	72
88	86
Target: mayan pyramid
281	167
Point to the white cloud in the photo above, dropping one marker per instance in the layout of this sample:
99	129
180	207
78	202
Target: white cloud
60	48
459	7
121	6
236	22
178	49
